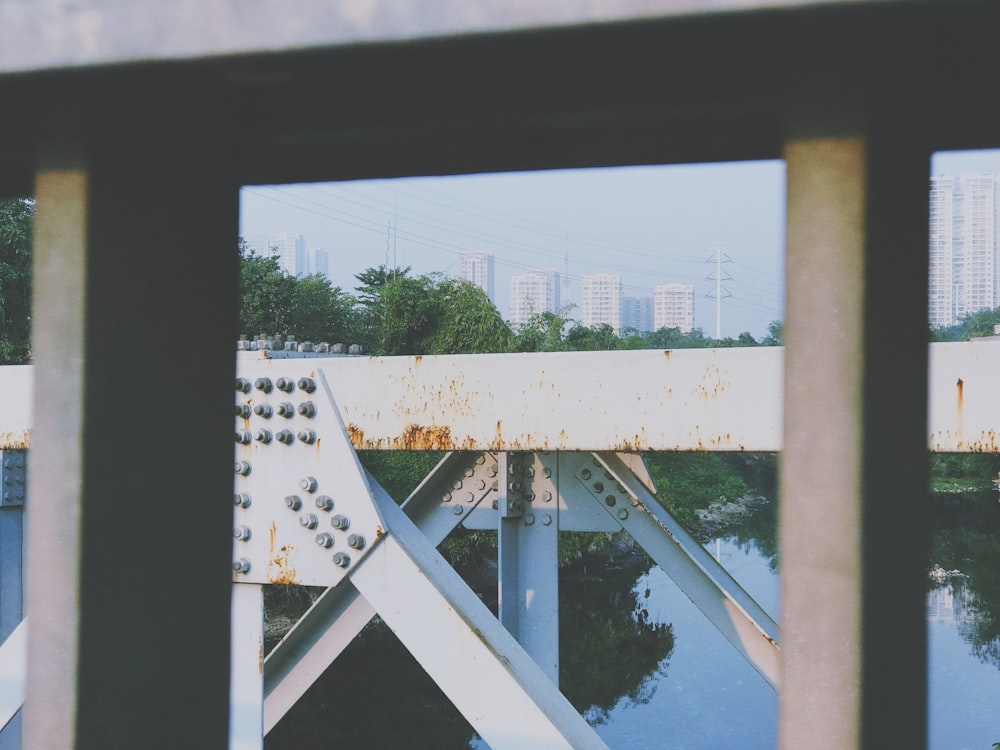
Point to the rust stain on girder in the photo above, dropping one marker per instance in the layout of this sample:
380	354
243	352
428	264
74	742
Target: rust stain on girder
713	384
16	440
415	437
279	561
952	441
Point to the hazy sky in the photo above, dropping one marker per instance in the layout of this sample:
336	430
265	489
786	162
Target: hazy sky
650	225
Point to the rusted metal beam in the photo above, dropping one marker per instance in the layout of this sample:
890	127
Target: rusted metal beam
650	400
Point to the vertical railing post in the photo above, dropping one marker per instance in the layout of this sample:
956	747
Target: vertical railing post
853	472
128	575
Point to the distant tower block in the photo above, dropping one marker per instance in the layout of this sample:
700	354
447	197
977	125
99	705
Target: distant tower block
477	267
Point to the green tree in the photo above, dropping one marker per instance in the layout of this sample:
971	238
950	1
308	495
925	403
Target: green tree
16	225
974	325
592	339
468	322
321	311
544	332
775	334
266	294
674	338
431	314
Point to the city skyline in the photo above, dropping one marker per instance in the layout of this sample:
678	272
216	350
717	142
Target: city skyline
651	225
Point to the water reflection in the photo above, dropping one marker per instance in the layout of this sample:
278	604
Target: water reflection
646	668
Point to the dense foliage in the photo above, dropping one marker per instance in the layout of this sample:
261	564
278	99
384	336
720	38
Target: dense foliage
971	326
16	223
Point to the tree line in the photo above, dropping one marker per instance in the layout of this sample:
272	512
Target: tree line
390	311
393	311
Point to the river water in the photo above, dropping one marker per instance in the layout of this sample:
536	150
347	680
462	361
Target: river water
648	671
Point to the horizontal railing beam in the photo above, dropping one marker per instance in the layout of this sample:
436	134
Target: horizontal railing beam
646	400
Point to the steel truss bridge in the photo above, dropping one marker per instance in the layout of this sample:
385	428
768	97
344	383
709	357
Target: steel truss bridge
534	444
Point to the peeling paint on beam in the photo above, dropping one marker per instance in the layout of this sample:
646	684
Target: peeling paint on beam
653	400
707	400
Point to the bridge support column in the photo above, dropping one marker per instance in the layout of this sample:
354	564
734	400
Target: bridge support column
853	472
528	555
136	283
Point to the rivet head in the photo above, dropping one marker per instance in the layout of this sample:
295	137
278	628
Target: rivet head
341	560
356	541
241	566
242	533
293	502
263	384
242	468
307	409
308	484
307	384
325	539
308	521
340	522
324	502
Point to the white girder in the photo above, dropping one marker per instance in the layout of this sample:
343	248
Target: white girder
647	400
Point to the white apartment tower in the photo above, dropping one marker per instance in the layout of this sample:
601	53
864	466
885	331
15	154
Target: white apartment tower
964	248
288	248
533	293
602	301
673	307
477	267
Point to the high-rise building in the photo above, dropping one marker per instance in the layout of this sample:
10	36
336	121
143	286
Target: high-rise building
288	248
291	252
533	293
477	267
317	261
673	307
964	248
602	301
637	313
